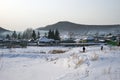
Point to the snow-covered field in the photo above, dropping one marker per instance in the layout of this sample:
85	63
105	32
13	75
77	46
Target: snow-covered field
39	63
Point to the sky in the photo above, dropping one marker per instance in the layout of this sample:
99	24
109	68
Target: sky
21	14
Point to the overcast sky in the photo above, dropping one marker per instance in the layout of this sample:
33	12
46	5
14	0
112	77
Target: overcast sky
21	14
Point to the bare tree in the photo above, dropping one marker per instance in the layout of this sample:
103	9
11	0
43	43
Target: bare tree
27	34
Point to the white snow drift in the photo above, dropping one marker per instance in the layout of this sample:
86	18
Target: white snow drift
37	63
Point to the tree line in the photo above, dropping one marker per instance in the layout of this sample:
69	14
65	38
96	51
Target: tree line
32	34
54	34
27	34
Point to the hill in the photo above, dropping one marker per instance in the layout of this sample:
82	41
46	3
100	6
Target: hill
64	26
3	30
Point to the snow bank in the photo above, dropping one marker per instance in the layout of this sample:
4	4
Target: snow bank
36	63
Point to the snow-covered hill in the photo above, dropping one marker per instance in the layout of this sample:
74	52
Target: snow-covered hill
39	63
66	26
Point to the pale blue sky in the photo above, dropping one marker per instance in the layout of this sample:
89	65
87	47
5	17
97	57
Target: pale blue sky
21	14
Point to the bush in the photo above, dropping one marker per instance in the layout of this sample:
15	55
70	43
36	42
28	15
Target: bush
57	51
75	61
95	57
23	45
80	62
109	42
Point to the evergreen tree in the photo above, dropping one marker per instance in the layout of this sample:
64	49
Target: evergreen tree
34	35
45	35
49	34
19	36
8	36
14	35
38	34
52	34
57	35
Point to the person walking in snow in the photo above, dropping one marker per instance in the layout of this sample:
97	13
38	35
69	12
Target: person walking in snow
101	48
83	48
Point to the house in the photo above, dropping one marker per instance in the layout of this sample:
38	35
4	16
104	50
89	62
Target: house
45	40
89	39
100	39
111	37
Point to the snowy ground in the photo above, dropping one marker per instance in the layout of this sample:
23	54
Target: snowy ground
38	63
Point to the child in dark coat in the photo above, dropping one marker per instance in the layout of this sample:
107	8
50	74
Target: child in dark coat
83	48
101	47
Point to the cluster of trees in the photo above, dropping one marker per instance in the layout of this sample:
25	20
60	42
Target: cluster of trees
31	34
54	34
27	34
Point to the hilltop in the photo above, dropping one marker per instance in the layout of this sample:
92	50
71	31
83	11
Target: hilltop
3	30
64	26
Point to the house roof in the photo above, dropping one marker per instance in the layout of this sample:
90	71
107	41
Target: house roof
44	39
89	38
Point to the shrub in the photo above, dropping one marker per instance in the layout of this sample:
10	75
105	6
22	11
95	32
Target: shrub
95	57
57	51
80	61
113	43
68	41
75	61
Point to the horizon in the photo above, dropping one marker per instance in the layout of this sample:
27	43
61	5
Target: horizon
66	22
22	14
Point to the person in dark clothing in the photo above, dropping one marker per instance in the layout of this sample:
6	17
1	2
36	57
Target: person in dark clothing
101	47
83	48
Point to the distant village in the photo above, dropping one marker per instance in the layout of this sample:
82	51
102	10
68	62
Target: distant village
32	37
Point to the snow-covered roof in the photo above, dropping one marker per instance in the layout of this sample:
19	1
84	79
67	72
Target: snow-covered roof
44	39
89	38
